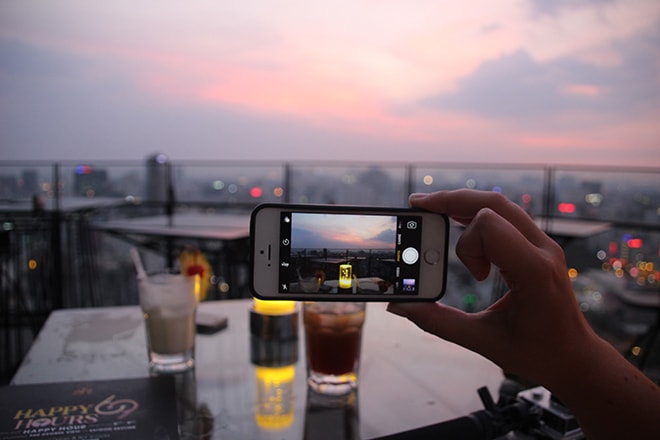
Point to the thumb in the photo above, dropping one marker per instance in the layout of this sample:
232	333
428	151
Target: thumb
438	319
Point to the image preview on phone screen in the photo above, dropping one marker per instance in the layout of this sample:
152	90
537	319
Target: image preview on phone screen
349	253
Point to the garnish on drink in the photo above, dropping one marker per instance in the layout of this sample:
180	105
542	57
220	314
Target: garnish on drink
193	263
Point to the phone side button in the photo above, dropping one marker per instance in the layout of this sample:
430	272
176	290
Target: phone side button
432	256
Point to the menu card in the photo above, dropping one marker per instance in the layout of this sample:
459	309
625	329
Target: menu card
131	409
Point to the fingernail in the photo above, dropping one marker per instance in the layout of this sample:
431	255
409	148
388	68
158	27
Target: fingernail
417	196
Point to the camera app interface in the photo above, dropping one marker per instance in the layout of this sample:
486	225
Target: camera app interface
349	253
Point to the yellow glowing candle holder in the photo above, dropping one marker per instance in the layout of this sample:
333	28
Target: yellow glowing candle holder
345	276
274	397
274	307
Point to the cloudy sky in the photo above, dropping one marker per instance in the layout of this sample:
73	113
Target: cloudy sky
533	81
316	231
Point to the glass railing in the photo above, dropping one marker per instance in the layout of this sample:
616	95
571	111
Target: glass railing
619	195
56	254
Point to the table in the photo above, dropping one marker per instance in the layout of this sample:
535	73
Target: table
66	205
182	225
564	230
408	378
222	237
643	350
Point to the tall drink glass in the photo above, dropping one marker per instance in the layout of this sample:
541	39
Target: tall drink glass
169	304
333	338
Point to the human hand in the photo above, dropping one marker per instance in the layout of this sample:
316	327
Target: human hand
537	324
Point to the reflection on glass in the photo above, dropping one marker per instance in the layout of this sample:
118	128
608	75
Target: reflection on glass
331	417
275	397
195	421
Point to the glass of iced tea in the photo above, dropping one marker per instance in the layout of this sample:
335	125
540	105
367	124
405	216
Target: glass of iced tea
333	337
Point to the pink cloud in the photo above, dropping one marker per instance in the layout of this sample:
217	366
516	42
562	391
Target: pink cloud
582	89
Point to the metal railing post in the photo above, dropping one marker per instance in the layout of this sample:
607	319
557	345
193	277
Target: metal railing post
170	202
548	197
410	174
56	228
287	182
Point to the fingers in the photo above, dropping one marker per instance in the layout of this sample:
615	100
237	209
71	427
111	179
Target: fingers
498	231
490	238
463	205
532	264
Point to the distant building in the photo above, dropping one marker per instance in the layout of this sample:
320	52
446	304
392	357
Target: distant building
8	187
29	182
157	178
90	182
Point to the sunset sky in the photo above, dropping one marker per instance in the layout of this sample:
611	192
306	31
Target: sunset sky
532	81
316	231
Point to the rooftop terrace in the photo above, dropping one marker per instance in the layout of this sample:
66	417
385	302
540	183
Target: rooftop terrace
67	228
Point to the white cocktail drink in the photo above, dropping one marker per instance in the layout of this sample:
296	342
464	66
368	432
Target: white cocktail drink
169	304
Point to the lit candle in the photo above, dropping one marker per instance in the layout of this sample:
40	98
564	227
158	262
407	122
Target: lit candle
274	307
345	276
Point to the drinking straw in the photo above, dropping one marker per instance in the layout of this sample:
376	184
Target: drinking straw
141	273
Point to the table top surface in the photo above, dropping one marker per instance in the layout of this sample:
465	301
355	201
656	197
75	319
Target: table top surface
183	225
572	228
407	379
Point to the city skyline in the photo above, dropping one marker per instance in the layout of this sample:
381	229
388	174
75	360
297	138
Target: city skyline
529	81
615	194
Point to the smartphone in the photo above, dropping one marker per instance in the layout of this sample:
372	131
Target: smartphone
347	253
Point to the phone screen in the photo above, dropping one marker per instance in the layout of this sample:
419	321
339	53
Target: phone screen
349	253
